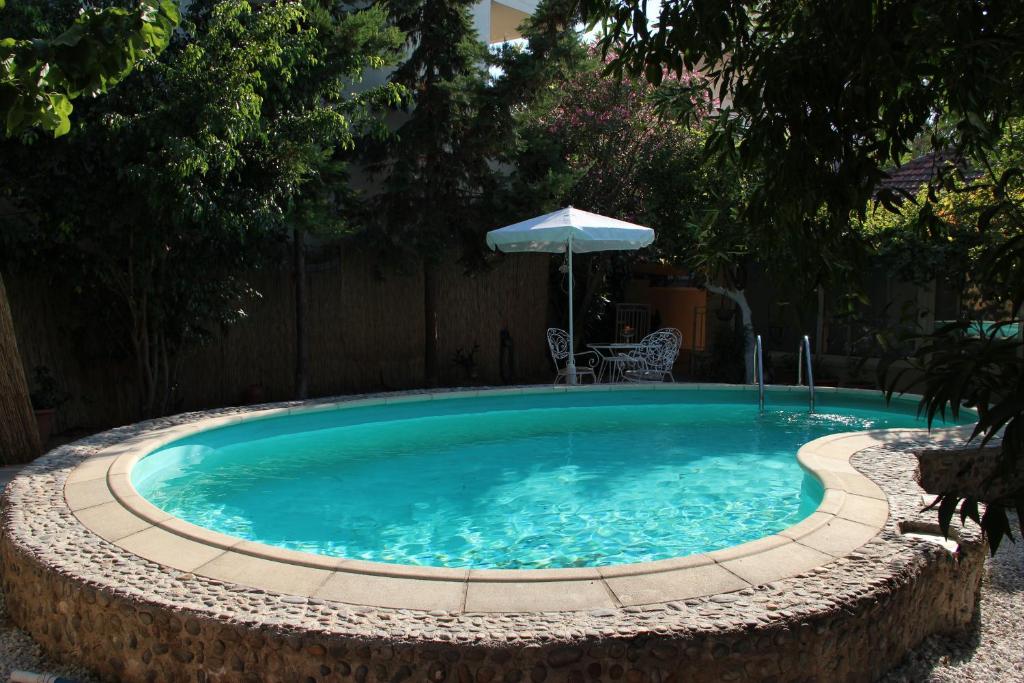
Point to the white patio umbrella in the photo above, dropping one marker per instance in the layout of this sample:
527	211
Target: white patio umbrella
570	230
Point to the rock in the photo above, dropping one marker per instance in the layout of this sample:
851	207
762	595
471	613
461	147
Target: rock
564	656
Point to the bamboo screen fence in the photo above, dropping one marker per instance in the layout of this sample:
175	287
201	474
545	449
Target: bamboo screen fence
16	443
366	333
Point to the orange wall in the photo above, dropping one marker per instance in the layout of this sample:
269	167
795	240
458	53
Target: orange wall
675	304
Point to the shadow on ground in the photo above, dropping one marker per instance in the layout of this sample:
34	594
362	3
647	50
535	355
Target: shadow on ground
992	649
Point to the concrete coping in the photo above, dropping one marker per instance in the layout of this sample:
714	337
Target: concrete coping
853	510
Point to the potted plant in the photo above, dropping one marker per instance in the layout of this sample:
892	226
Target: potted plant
46	397
467	361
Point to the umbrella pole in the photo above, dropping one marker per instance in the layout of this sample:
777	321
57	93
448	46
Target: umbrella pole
572	334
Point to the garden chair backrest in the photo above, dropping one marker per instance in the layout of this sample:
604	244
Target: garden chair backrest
659	349
675	333
558	344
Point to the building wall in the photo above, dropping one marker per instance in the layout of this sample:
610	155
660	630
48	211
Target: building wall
505	18
676	304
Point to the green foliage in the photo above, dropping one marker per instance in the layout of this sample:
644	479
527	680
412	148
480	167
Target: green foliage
435	165
972	231
39	77
607	145
442	179
968	231
951	229
532	74
444	174
914	252
179	183
980	371
600	144
973	370
318	114
829	94
818	100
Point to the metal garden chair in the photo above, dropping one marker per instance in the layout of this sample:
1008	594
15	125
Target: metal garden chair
653	359
559	344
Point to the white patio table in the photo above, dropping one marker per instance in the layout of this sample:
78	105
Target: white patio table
613	358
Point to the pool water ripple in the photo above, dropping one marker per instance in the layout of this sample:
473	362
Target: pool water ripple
508	483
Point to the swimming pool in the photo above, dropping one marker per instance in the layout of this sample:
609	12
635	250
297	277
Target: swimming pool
522	481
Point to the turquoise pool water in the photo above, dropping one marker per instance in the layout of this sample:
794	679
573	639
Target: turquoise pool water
511	482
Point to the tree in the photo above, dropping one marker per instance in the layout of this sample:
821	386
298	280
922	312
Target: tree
321	201
446	175
38	79
824	97
603	144
40	76
211	148
969	231
433	168
831	94
934	234
441	177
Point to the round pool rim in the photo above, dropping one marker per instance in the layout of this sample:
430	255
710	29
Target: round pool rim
853	510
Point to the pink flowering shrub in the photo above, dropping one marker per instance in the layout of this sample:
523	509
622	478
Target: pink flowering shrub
625	158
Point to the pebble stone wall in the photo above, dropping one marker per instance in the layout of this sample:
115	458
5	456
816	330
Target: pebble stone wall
128	619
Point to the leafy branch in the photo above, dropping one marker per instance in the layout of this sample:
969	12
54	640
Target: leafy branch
39	77
962	365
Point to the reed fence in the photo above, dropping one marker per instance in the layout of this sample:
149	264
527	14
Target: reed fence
365	329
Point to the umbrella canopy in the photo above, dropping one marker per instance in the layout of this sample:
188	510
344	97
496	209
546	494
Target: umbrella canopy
570	231
587	232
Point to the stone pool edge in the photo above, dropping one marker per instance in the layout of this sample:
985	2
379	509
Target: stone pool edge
853	510
128	619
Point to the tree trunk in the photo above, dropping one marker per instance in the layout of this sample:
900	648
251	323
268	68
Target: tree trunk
19	436
430	332
740	298
301	309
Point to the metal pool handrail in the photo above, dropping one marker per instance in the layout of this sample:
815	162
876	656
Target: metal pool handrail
805	345
759	372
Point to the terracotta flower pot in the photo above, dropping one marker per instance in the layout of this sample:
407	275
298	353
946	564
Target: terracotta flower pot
44	424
